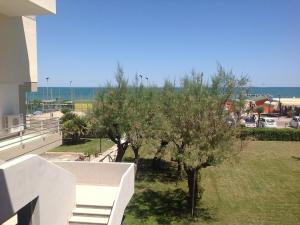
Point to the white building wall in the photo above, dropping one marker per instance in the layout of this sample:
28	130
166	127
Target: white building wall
9	101
18	51
29	177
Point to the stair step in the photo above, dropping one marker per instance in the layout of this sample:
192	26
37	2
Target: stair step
84	220
95	195
93	206
91	211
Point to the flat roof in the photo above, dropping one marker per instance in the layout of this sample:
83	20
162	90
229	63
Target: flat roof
27	7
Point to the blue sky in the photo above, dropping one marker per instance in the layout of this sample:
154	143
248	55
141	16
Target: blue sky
165	39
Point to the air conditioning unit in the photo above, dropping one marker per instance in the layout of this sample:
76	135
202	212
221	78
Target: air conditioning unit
13	123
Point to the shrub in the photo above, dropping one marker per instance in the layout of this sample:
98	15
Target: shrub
271	134
73	126
65	110
291	113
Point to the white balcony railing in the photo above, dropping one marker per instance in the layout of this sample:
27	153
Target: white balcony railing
24	133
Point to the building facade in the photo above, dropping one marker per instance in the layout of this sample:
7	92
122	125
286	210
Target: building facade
19	74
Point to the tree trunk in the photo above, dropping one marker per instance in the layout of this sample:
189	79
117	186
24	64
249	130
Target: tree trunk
120	154
179	161
179	169
136	154
192	175
157	158
121	151
75	138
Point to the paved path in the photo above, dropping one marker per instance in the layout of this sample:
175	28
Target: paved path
107	156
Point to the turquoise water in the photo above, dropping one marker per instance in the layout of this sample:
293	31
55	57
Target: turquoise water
86	93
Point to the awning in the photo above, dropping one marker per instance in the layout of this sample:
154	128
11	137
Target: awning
288	101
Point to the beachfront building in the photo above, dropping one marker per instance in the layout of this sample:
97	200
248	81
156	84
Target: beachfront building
18	75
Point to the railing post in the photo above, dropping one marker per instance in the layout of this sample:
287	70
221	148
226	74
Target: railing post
42	127
21	137
57	125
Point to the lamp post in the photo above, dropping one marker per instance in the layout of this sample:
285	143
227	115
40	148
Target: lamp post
71	97
47	80
279	106
147	81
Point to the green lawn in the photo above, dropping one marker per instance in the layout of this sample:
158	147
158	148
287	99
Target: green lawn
261	186
88	144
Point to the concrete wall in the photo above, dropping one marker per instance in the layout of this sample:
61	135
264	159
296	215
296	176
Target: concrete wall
124	195
18	63
94	173
18	52
36	146
120	175
27	7
9	100
49	5
30	177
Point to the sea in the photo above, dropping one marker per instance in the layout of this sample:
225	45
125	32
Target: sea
89	93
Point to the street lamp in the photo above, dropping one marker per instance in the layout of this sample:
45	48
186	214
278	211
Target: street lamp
279	106
141	76
147	81
47	79
71	97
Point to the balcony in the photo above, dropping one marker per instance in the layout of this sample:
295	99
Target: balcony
103	191
65	192
34	136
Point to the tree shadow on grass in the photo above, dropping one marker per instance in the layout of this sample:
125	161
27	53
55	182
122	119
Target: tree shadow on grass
165	206
68	141
167	172
296	158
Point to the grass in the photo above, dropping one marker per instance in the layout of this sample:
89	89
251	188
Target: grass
260	186
90	145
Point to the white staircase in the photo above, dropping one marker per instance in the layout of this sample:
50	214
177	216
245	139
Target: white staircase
93	205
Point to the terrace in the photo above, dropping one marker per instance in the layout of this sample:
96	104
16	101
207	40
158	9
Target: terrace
66	192
33	136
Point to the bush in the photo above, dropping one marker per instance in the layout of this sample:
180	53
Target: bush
73	126
65	110
271	134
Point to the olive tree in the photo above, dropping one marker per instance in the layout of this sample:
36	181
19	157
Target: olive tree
199	127
111	111
142	111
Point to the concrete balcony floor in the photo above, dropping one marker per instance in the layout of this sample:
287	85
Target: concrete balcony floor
16	141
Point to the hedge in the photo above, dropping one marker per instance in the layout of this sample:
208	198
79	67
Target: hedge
271	134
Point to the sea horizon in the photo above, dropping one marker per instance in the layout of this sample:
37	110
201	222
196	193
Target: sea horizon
88	93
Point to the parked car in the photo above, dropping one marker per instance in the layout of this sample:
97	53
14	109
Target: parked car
37	113
250	122
267	122
295	122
